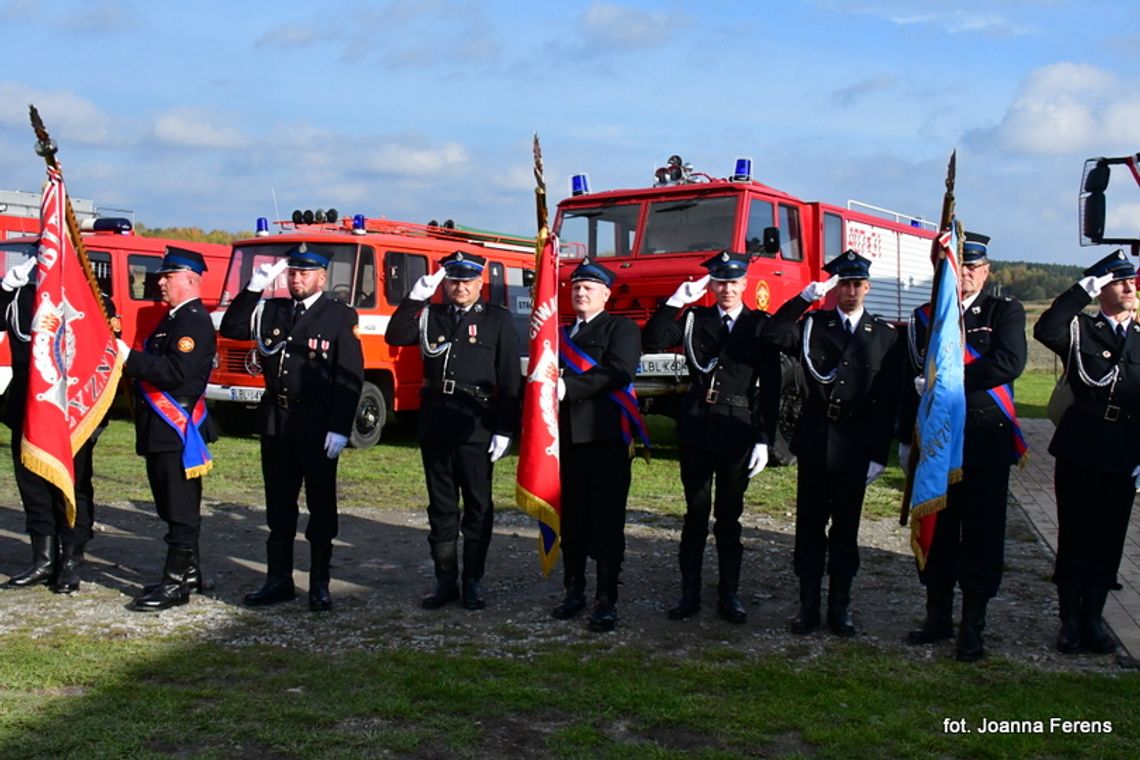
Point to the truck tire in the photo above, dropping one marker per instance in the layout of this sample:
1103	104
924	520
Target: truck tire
371	414
791	402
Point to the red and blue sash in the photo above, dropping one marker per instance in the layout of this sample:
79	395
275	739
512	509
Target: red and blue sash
580	362
1002	394
196	459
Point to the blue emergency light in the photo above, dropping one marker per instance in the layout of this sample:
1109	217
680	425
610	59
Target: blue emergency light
580	184
743	170
262	227
358	224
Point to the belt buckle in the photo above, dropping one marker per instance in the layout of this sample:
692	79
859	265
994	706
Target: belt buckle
711	396
833	411
1112	413
448	387
282	401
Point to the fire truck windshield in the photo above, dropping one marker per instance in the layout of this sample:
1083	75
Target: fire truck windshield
695	224
12	254
348	278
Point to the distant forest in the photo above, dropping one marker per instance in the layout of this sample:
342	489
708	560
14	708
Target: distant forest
1029	281
192	234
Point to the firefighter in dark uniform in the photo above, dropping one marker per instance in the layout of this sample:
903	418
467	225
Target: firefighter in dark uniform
57	550
1097	444
175	366
726	420
850	359
468	414
969	540
314	371
595	452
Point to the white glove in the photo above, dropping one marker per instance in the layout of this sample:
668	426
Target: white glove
498	447
124	349
1093	285
334	444
1136	476
18	276
265	274
920	384
817	290
689	292
758	461
426	286
874	470
904	456
561	389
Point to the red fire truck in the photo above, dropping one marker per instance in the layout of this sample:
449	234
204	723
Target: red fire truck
374	264
124	265
656	237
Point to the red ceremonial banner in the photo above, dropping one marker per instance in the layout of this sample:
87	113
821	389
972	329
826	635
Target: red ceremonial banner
75	366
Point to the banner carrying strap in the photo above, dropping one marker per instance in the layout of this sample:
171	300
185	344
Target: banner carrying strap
196	459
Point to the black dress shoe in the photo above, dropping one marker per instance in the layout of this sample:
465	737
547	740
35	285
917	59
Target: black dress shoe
164	597
930	632
728	606
839	621
806	620
443	593
473	595
320	600
1069	636
689	606
273	591
1096	637
604	617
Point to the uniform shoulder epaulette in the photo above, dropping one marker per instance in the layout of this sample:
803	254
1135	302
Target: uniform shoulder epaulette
884	321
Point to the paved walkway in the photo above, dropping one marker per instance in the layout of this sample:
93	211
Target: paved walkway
1033	489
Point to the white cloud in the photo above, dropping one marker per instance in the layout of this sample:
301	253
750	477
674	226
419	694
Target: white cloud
952	17
415	161
606	26
66	115
192	128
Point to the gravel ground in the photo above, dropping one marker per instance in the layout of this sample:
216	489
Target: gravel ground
381	567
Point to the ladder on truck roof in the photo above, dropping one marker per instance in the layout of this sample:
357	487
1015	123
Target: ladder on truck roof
895	216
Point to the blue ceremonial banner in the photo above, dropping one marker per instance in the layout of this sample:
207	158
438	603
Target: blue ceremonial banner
941	421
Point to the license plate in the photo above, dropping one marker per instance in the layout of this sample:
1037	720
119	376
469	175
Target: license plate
674	367
249	395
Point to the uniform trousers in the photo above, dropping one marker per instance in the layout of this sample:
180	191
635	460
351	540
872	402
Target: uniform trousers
595	487
451	470
969	535
177	498
45	511
286	465
823	495
699	467
1093	510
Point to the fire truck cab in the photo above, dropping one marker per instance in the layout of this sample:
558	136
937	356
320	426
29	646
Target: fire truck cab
374	263
125	267
656	237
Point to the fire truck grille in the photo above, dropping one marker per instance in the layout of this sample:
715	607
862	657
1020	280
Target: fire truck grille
234	361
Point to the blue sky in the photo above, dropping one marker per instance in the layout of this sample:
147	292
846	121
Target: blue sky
199	113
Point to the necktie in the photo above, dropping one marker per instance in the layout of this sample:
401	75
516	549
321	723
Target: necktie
577	326
298	311
726	326
456	315
848	326
1120	333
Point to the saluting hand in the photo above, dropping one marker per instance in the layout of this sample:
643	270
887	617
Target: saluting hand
265	274
19	275
817	290
689	292
1093	285
426	286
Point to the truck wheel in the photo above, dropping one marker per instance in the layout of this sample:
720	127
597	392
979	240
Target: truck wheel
791	402
371	414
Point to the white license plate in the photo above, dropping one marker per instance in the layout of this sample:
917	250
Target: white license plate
670	367
248	395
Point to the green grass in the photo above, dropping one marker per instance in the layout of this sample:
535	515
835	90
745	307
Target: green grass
1031	392
65	697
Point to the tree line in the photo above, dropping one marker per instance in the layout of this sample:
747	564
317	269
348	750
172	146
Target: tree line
1028	281
191	234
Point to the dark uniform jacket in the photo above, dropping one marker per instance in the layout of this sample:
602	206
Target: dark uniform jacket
471	390
995	329
313	383
21	352
849	422
176	358
1087	435
587	414
735	405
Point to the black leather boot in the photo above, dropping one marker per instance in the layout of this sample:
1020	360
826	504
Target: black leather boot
971	647
45	556
1069	635
278	586
574	580
474	561
939	623
604	616
690	602
446	576
1094	633
67	578
172	591
838	606
196	580
808	618
320	600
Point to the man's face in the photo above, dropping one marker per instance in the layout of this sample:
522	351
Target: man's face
463	293
849	294
588	297
974	277
305	282
180	286
1118	297
728	292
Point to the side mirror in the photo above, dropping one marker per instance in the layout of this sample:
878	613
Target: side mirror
528	277
771	240
1092	218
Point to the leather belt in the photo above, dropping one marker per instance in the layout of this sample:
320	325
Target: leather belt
716	398
1106	412
284	402
449	387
